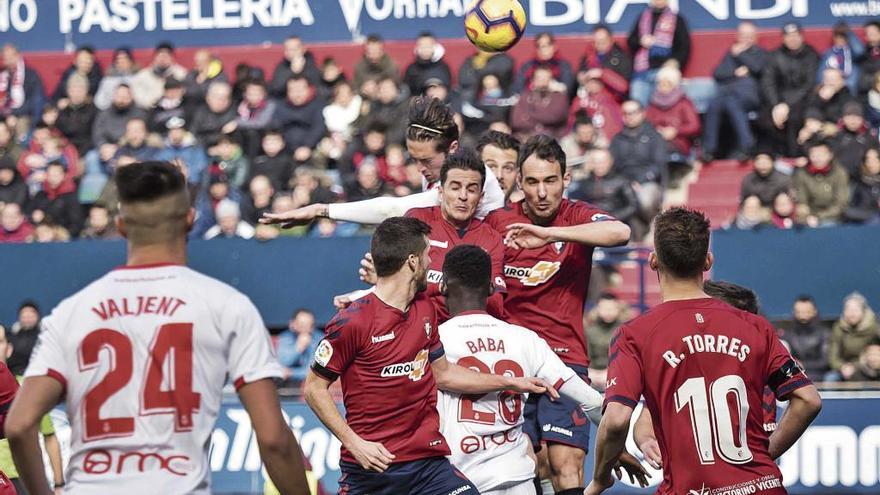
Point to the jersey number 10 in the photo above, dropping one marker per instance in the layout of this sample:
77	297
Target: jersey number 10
172	344
712	418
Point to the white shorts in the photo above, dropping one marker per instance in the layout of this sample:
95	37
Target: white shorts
514	488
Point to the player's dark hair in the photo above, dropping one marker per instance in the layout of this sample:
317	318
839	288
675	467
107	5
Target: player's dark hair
394	241
545	34
601	27
374	38
681	241
467	266
463	159
431	120
875	23
299	311
498	139
544	147
805	298
736	295
581	117
608	296
147	181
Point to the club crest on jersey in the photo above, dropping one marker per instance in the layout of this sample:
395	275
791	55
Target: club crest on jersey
323	353
427	328
559	245
414	369
536	275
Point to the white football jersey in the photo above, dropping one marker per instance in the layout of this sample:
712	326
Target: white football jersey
484	432
143	354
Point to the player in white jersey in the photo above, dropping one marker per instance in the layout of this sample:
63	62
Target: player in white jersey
141	357
484	432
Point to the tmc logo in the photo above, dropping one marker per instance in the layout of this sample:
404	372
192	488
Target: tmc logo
536	275
415	369
102	461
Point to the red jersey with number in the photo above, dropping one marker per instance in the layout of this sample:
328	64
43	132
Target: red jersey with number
547	287
383	357
445	236
144	353
702	367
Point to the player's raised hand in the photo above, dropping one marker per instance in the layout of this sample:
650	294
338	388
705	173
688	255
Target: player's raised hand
372	456
526	236
298	216
651	449
597	487
367	271
532	385
633	468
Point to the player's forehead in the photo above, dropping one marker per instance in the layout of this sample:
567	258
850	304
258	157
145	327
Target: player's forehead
494	153
463	177
422	150
535	167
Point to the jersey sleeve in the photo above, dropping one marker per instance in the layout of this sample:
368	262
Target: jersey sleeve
581	213
435	346
625	371
376	210
546	363
49	357
784	374
251	355
339	346
8	388
493	196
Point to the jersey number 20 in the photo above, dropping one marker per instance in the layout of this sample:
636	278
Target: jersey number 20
172	344
712	418
509	403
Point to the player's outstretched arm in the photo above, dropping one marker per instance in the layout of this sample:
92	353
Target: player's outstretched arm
608	233
36	397
610	443
803	407
460	380
643	434
278	447
370	455
370	211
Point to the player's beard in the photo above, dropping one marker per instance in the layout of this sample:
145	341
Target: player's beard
422	281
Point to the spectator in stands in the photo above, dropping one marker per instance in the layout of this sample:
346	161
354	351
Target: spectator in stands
783	212
296	63
367	148
227	154
255	114
738	80
375	63
307	188
100	224
428	64
600	104
395	159
546	57
581	141
149	83
216	190
23	337
215	118
331	75
258	199
110	123
134	142
476	67
170	105
868	367
342	112
390	108
21	89
853	139
84	65
109	194
207	68
45	149
606	61
244	74
542	107
673	114
764	182
869	65
181	145
274	163
659	37
601	326
864	204
856	328
229	223
641	154
14	225
12	188
488	103
608	190
121	71
786	83
77	118
844	54
297	344
821	188
751	214
826	102
808	338
300	119
49	232
58	202
872	105
367	184
8	144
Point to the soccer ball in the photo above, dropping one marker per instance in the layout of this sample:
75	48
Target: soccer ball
494	25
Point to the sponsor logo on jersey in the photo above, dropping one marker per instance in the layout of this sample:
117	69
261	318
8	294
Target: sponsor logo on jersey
555	429
323	353
434	277
702	491
499	283
461	489
414	369
382	338
600	217
536	275
439	244
101	461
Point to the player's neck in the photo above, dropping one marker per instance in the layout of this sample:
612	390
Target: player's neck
157	254
676	289
535	219
457	306
397	291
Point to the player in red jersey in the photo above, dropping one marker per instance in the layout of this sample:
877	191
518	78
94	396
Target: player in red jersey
548	258
386	349
8	389
702	366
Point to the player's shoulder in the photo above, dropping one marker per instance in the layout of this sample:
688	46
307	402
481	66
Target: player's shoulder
356	317
425	213
574	210
507	214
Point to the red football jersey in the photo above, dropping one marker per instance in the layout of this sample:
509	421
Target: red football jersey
547	287
445	236
384	356
8	389
702	367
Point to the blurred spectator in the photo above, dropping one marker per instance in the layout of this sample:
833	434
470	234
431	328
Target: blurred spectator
172	104
215	118
751	214
783	212
331	75
77	119
23	337
8	144
207	68
209	197
57	202
300	119
481	64
864	203
297	345
343	111
109	194
367	148
229	223
375	63
49	232
673	114
608	190
580	142
255	114
428	64
14	226
868	367
738	80
500	151
134	141
821	188
599	104
45	149
640	154
786	83
121	71
844	54
244	74
100	224
827	101
280	203
808	338
297	62
488	103
391	107
853	139
606	61
547	57
181	145
21	89
395	159
110	123
869	66
12	188
601	325
149	83
367	184
258	200
872	104
274	163
542	107
227	155
84	65
764	181
659	37
850	335
307	188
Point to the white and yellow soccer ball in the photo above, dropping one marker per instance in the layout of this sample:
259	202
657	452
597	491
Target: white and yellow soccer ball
494	25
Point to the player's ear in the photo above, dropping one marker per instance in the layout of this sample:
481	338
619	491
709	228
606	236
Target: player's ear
453	147
566	178
190	219
710	260
9	350
444	289
653	263
491	287
120	224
